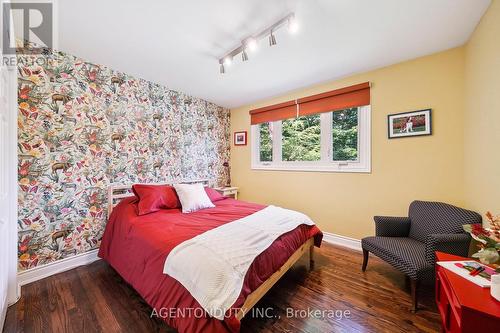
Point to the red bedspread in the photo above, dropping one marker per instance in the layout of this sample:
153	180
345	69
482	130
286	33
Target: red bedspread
137	246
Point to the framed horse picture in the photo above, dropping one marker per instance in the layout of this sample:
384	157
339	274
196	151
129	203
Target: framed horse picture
406	124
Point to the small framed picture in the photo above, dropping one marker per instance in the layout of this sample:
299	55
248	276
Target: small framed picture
409	124
240	138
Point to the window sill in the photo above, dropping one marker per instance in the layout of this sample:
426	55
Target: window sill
333	168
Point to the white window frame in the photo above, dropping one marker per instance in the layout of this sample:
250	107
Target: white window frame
361	165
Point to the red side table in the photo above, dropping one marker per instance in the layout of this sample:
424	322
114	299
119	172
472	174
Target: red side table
463	305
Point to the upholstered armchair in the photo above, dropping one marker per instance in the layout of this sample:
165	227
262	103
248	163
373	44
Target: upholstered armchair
409	243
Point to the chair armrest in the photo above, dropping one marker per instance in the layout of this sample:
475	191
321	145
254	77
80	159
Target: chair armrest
457	244
388	226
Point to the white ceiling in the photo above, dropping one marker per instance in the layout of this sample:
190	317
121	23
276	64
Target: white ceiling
177	42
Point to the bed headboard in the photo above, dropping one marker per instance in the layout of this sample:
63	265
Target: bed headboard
117	192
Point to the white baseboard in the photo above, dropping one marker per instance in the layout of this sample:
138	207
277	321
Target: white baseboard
41	272
351	243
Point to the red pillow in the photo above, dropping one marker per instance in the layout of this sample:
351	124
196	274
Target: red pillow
213	195
152	198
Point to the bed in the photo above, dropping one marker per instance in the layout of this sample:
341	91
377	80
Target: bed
137	246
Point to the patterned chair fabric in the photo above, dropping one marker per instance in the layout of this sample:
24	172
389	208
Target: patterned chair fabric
404	253
388	226
438	218
409	243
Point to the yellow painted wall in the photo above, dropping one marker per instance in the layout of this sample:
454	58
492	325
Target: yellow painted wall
427	168
482	114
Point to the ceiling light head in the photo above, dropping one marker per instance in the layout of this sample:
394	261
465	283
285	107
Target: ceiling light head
227	60
272	39
293	26
222	69
251	44
244	55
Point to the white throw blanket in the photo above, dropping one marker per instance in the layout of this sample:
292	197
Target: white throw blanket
213	265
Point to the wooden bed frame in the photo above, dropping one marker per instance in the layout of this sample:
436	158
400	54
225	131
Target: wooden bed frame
119	192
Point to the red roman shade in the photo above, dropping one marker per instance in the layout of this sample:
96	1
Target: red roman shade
348	97
274	112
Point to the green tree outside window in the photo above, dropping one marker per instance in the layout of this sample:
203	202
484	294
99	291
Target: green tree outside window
345	135
266	142
301	138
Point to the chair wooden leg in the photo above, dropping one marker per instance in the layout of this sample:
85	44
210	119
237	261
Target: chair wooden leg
311	257
414	293
365	260
407	280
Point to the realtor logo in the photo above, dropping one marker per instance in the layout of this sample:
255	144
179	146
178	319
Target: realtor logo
31	23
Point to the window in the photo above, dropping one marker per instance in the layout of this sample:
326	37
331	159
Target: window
266	142
345	135
301	139
328	141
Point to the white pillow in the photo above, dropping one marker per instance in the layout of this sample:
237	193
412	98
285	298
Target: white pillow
193	197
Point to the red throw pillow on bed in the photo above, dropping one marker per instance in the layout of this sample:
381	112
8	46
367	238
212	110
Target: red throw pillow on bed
213	195
152	198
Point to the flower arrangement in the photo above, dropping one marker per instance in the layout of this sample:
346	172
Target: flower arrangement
489	240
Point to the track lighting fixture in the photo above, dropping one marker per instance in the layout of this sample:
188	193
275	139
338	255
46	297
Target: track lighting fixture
244	55
226	61
250	43
272	39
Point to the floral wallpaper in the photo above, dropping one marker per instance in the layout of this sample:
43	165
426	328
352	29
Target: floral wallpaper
83	126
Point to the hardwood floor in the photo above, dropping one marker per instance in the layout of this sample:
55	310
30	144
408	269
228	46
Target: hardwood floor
94	298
